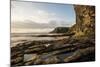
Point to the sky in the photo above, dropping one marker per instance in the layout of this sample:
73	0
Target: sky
37	15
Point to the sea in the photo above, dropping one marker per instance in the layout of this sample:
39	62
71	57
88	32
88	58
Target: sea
23	37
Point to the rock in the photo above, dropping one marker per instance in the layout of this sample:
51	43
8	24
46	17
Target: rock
79	53
60	30
85	20
17	60
51	60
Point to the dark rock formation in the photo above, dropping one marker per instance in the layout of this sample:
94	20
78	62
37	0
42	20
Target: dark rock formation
60	30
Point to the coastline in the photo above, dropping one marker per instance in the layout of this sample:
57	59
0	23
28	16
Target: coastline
48	52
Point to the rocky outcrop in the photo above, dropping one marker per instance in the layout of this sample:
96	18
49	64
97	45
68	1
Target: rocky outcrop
58	51
60	30
85	20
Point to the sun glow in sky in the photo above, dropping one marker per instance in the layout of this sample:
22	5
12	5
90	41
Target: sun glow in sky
24	14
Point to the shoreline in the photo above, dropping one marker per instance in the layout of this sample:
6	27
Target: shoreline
52	51
41	34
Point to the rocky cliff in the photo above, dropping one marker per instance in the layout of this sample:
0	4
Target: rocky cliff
85	20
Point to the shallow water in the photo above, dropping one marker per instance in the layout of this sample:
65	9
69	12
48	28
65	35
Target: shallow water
23	37
28	57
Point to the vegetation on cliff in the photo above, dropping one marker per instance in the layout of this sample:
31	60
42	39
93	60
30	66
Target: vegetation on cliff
60	30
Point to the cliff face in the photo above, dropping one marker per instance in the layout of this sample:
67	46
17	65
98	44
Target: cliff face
85	20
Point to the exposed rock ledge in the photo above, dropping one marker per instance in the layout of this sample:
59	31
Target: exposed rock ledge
58	51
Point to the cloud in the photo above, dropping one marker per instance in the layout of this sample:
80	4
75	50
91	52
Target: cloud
22	11
33	16
42	16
